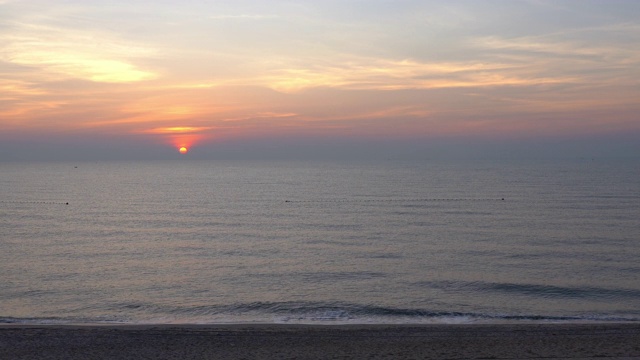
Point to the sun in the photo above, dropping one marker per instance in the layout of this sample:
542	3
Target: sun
183	150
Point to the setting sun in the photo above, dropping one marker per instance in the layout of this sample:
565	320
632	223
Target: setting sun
183	150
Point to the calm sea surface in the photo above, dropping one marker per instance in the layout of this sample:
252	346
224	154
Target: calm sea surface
387	242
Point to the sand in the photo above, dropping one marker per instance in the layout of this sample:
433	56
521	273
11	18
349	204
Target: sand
497	341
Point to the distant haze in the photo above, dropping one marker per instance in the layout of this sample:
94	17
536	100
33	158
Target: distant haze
328	149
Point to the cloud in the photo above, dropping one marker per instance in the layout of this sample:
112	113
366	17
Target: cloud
385	74
242	17
9	88
177	130
538	45
588	57
63	53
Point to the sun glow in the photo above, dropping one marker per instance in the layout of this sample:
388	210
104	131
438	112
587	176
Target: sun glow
183	150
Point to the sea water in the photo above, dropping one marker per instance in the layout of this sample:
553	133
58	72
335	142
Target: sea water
319	242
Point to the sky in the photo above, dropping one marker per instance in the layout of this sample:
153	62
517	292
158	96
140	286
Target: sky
85	79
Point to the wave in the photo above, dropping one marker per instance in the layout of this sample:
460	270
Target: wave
536	290
308	313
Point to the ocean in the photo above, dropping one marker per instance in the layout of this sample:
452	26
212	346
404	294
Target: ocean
385	242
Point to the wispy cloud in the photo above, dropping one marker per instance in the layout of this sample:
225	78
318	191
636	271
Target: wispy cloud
177	130
541	45
242	17
61	52
10	88
384	74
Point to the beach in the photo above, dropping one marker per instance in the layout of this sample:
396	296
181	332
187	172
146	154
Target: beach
276	341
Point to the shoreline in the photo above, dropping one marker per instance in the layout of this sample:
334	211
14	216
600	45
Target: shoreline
318	324
277	341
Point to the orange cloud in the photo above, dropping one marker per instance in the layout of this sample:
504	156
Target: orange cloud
177	130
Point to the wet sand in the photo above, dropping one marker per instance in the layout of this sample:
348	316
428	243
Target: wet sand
265	341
